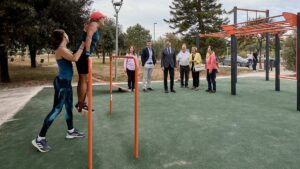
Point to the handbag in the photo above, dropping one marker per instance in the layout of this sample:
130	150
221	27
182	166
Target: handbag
199	67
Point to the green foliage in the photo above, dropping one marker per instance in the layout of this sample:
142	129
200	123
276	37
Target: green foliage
289	53
158	46
137	36
192	17
108	38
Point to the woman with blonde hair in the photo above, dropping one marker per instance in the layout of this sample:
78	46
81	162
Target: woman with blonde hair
195	59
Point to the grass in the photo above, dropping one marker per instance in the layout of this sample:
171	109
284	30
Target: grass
258	128
22	74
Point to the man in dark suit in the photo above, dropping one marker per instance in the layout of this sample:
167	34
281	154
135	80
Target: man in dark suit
168	64
148	62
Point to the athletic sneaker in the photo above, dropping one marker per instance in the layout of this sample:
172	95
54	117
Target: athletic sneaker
74	134
41	145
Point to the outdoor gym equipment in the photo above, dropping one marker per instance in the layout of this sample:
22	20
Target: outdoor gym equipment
279	24
90	100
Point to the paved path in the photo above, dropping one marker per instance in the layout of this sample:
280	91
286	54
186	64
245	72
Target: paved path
13	100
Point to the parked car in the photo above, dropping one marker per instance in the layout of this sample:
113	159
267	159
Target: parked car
242	62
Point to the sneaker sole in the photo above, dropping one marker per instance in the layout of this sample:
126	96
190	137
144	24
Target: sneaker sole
72	137
37	147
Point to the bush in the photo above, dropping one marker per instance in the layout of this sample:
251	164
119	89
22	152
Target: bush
289	53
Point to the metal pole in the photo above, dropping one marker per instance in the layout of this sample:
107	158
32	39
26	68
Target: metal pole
277	58
297	61
235	9
154	31
233	55
90	120
267	66
117	44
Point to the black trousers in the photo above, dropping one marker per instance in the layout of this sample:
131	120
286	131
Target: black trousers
184	75
196	76
131	78
211	79
169	70
254	65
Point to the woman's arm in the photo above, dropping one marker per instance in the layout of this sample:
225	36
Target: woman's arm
68	55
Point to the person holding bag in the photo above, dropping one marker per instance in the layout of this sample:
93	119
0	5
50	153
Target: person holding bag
195	60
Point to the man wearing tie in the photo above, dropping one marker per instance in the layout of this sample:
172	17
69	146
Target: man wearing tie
168	64
148	62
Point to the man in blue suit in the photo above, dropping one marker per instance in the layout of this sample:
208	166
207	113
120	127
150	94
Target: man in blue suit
168	64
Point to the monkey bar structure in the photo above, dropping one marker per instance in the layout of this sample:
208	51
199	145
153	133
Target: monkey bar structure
275	25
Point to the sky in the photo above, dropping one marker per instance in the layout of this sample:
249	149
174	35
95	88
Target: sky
148	12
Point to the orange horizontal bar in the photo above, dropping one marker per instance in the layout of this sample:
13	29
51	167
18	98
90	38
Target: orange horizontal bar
258	20
265	25
261	31
216	35
268	29
290	18
252	10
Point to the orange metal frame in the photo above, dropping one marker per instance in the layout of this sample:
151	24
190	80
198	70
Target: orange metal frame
254	27
90	101
136	100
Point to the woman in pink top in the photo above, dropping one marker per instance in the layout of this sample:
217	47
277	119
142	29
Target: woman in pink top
212	68
129	68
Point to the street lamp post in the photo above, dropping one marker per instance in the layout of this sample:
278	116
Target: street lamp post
117	5
154	31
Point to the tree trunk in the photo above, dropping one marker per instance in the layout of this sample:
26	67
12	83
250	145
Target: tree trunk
103	55
4	65
32	51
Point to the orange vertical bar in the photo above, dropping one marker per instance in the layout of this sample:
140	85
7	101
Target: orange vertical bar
90	125
136	110
110	84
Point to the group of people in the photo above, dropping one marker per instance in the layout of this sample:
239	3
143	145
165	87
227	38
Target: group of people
63	94
186	61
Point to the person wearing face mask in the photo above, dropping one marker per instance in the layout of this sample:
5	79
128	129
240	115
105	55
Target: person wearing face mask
63	90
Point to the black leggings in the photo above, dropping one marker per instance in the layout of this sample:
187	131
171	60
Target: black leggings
131	78
63	96
211	79
196	77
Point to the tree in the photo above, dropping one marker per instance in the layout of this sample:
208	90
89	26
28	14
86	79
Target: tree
108	38
289	53
137	36
192	17
12	14
158	46
48	15
175	41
